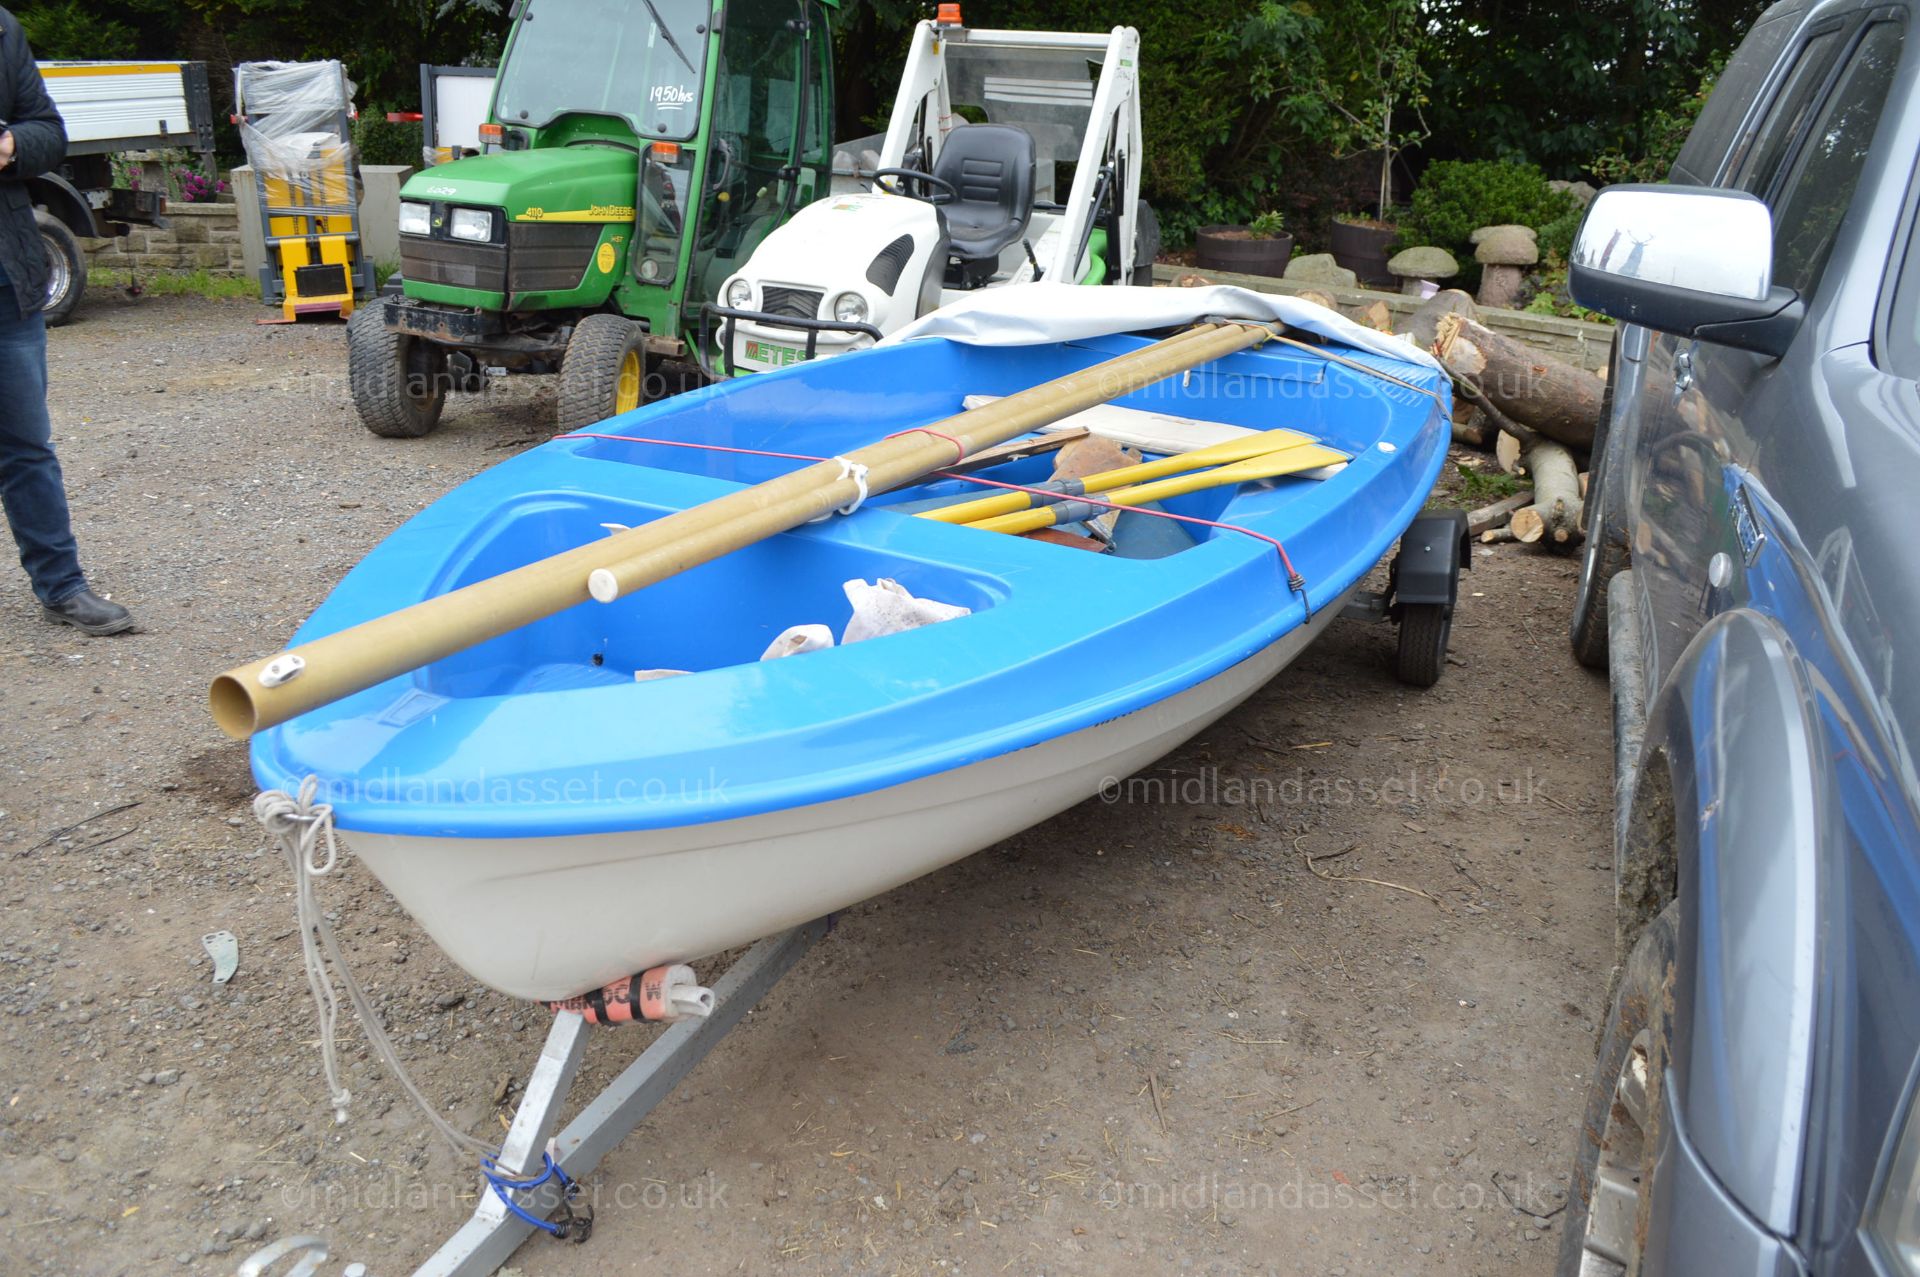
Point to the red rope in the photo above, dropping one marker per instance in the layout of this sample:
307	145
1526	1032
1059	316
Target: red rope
1295	582
960	449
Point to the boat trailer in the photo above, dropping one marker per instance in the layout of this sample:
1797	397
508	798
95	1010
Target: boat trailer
488	1240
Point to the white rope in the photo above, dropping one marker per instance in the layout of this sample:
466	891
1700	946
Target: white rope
858	473
300	827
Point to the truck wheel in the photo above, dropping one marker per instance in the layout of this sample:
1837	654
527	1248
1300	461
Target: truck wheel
399	382
1605	553
1424	629
1613	1159
604	372
1146	244
66	268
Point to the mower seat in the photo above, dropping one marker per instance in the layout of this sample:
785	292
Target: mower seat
991	167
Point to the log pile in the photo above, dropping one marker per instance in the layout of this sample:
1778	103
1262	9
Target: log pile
1536	414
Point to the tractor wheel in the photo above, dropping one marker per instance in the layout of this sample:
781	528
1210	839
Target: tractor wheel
66	268
1146	244
604	373
399	382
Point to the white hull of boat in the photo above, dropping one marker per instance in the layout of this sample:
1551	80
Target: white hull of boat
547	918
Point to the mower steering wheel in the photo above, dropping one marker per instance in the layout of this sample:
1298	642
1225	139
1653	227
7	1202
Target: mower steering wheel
926	179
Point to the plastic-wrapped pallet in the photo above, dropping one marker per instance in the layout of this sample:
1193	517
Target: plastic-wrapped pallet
295	120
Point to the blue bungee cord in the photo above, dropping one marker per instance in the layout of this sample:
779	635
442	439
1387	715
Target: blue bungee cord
506	1185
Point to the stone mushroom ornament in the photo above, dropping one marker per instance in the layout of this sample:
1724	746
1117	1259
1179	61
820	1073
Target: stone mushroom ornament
1416	266
1504	254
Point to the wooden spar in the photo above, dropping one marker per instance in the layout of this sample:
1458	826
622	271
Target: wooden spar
258	695
658	550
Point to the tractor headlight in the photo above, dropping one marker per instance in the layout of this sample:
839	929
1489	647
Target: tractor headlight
740	294
850	308
1894	1220
415	219
471	223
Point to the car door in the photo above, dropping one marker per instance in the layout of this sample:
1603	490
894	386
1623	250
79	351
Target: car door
1695	433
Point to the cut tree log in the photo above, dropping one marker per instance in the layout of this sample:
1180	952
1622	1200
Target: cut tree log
1470	424
1554	516
1493	536
1318	299
1377	316
1497	514
1507	450
1423	324
1535	390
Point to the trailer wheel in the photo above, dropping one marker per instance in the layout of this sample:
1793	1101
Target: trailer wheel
399	382
604	372
66	268
1424	629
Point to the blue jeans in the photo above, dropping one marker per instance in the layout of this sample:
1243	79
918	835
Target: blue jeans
30	485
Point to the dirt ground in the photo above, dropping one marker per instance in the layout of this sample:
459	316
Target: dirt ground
1315	995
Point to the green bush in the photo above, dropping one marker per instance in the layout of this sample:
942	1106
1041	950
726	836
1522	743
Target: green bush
1457	197
380	141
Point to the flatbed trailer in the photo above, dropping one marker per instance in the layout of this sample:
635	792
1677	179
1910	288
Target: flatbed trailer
110	108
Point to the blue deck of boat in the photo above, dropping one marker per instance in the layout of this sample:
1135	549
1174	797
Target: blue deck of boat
545	731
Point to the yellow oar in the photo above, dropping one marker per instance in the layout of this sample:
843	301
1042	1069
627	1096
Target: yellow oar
1240	449
1271	466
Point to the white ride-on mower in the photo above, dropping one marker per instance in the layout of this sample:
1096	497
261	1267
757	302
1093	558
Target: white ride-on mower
988	131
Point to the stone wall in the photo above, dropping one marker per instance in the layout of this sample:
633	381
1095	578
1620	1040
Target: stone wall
198	237
1575	340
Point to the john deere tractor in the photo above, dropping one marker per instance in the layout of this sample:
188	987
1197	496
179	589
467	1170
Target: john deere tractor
638	152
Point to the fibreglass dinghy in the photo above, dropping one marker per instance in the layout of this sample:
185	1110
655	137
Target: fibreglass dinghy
554	822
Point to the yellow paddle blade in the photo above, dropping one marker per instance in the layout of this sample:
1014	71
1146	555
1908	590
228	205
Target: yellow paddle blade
1240	449
1273	465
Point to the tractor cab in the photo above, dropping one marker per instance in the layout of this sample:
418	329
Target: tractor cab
1009	157
638	151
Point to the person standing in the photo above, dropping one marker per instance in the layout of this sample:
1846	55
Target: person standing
33	140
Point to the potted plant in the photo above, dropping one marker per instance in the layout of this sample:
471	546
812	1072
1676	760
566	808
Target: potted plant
1373	104
1261	247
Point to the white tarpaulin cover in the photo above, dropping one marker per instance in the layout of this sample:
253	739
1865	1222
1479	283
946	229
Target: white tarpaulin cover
1043	313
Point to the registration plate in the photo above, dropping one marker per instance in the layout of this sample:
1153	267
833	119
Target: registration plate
779	356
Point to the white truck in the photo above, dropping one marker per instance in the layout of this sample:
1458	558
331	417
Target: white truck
111	107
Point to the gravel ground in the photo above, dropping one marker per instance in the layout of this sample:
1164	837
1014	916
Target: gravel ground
1148	1036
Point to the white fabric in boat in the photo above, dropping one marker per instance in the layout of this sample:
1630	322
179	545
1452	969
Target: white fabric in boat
1161	432
1043	313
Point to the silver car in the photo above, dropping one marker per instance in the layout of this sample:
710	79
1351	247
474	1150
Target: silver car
1752	584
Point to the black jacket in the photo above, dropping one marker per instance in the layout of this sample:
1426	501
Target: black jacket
40	143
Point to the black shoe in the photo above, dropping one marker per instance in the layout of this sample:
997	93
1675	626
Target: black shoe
90	613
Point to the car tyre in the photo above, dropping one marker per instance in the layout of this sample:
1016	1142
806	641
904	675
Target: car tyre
1606	1217
1605	554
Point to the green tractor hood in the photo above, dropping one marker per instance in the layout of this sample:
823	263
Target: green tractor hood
557	184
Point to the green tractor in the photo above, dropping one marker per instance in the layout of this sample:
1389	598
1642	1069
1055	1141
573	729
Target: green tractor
638	152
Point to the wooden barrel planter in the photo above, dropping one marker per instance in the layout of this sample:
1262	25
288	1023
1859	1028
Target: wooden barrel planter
1232	248
1364	250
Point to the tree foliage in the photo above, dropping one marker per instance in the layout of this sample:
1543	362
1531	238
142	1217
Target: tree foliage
1295	105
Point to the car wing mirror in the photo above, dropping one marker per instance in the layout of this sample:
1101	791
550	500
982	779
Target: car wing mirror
1694	261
